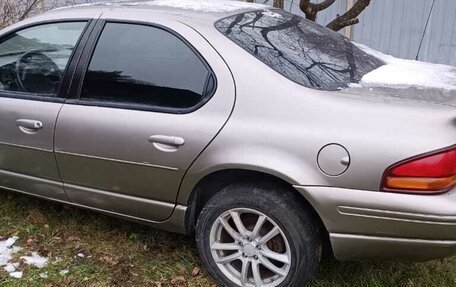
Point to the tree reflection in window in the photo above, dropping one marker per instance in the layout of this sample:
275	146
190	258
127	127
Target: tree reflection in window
300	50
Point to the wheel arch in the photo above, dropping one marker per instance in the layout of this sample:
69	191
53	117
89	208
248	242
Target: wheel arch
216	181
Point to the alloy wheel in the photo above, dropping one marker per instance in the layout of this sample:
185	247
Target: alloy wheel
249	248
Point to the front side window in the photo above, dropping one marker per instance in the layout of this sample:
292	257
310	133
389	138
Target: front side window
33	60
299	49
146	66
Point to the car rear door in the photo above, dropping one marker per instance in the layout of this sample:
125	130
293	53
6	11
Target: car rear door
34	63
151	97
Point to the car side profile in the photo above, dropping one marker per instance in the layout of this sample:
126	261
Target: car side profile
239	124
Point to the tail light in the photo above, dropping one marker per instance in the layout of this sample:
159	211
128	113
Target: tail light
431	173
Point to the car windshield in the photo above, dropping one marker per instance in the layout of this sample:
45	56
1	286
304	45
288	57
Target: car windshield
299	49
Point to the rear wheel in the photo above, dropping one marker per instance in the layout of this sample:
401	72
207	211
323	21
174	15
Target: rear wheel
251	235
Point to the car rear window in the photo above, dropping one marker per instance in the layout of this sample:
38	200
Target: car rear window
299	49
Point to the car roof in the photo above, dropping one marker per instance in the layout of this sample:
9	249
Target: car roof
198	10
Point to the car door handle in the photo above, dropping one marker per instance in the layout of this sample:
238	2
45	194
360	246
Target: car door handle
29	125
167	140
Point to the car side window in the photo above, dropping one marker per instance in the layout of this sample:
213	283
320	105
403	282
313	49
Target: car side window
33	60
138	65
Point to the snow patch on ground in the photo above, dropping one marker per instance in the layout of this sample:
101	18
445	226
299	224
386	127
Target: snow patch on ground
35	260
17	274
9	268
7	251
44	275
408	73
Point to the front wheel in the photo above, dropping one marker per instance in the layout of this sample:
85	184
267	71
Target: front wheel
252	235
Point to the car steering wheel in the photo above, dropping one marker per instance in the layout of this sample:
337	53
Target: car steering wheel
37	73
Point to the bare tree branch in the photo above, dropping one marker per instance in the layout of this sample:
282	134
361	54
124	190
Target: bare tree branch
350	17
12	11
323	5
28	9
311	9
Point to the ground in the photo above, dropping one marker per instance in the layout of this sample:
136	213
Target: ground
88	249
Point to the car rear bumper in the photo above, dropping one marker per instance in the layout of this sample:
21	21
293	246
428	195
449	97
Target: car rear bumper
379	225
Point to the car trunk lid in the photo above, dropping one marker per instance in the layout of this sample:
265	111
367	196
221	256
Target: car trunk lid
426	95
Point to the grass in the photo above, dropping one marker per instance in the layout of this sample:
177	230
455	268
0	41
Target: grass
113	252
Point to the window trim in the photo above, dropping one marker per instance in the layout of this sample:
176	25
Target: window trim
61	94
90	50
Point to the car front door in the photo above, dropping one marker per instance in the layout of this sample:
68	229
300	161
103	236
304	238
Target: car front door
152	98
33	62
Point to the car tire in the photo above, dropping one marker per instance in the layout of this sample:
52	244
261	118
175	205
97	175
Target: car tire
237	249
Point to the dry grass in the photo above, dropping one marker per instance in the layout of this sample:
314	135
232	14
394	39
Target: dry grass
120	253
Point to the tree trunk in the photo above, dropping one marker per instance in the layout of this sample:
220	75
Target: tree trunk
347	19
311	9
278	3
